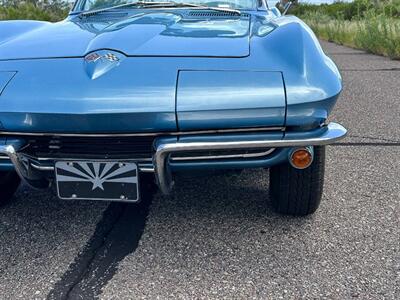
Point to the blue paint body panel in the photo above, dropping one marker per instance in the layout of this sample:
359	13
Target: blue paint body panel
246	98
57	95
175	71
5	78
143	33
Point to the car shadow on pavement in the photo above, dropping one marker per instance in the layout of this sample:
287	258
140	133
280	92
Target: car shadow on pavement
215	206
231	195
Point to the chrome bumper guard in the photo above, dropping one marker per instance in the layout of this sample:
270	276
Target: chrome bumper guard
325	135
33	178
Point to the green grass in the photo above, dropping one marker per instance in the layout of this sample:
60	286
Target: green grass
376	34
370	25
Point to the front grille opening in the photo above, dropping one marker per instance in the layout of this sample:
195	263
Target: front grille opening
90	147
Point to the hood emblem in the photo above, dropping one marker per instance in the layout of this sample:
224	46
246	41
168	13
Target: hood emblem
111	57
100	62
92	57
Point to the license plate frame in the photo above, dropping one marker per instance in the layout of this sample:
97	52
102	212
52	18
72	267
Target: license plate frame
100	180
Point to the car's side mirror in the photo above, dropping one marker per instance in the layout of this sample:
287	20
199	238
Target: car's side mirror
285	5
276	11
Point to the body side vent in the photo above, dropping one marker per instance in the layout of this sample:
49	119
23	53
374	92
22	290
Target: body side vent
104	17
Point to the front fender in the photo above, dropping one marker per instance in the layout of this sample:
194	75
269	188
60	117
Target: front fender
312	81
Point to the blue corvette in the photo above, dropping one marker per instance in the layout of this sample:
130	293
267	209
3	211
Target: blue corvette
123	88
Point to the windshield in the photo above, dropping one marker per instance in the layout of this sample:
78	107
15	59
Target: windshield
85	5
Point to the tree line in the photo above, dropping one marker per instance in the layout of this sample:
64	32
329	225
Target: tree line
354	10
45	10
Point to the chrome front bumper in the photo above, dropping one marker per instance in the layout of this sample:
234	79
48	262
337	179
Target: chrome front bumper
323	136
165	147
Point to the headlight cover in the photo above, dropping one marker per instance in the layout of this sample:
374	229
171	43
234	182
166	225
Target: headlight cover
5	78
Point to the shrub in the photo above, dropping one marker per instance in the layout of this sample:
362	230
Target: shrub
375	29
44	10
358	9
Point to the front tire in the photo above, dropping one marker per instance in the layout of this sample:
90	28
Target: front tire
9	182
298	192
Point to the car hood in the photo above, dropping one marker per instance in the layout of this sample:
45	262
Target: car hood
141	34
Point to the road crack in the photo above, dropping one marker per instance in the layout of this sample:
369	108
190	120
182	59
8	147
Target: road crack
382	142
372	70
367	144
374	138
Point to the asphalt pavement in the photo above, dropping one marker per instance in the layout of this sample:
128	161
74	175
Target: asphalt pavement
217	236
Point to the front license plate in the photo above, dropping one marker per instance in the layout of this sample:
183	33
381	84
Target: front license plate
97	180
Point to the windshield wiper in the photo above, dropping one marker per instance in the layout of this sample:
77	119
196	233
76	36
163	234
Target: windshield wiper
150	4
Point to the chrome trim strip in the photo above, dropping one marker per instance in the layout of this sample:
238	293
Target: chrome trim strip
329	134
257	129
146	169
40	159
41	168
142	168
227	156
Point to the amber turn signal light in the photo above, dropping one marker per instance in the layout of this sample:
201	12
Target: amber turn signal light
301	158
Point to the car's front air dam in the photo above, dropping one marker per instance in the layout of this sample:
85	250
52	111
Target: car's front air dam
324	135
